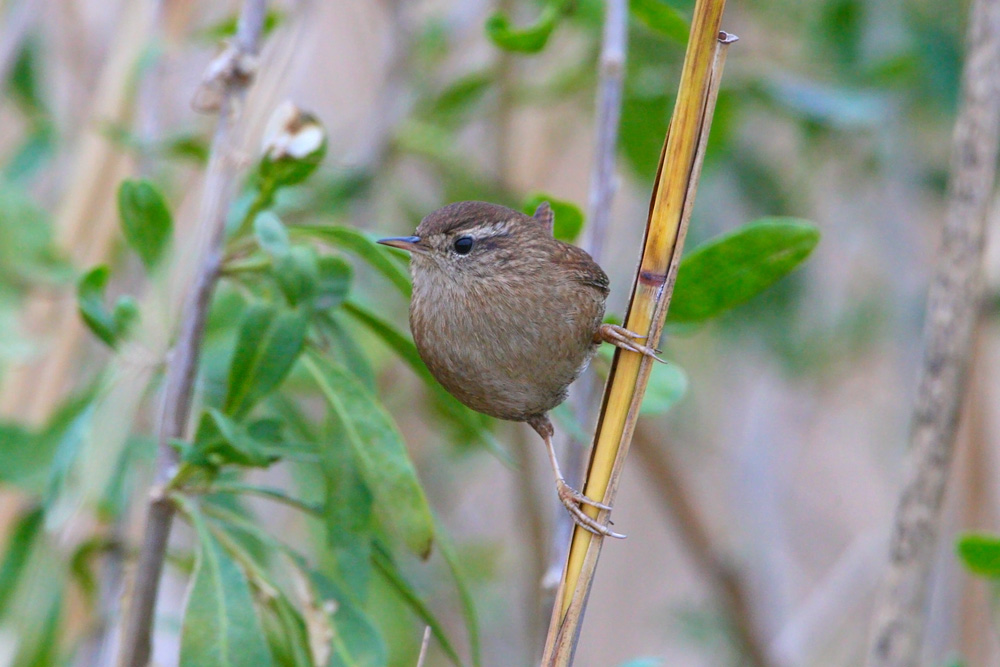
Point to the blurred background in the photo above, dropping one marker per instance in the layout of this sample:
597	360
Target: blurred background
757	507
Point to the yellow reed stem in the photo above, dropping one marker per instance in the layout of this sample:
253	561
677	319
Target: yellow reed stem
670	210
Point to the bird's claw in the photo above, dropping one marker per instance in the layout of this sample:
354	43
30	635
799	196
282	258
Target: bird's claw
573	500
628	340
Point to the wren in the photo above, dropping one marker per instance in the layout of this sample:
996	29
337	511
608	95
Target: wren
506	317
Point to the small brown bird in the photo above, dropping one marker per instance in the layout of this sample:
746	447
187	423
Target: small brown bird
506	317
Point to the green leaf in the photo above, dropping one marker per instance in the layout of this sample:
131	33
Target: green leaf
219	440
286	632
226	28
220	628
357	641
380	454
531	39
567	216
465	597
980	552
348	508
18	549
733	268
345	350
90	301
386	566
357	243
667	384
271	235
333	282
146	220
297	274
660	17
125	314
268	343
458	99
644	123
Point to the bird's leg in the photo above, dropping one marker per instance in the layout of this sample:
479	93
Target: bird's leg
571	499
625	339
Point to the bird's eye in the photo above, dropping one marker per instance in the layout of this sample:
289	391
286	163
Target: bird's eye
463	245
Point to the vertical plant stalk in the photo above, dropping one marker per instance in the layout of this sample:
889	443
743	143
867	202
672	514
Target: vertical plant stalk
670	210
953	305
223	90
603	185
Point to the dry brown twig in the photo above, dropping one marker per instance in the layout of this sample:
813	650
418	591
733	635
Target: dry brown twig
953	306
670	210
226	82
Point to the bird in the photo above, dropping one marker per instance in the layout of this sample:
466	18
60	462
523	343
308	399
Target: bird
505	316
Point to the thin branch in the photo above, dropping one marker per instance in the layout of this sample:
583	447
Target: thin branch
669	213
952	310
726	583
227	77
603	185
425	642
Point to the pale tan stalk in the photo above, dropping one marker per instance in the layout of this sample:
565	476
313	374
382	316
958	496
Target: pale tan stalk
953	307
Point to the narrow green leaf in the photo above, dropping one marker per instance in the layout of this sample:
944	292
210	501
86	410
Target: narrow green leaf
386	566
530	39
90	302
458	99
465	597
268	343
357	641
734	268
345	349
220	628
348	508
146	220
380	453
980	552
286	632
219	441
357	243
568	217
18	548
660	17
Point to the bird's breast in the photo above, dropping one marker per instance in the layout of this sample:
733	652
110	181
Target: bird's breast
507	346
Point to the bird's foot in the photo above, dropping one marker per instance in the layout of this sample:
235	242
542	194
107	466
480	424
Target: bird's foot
627	340
573	501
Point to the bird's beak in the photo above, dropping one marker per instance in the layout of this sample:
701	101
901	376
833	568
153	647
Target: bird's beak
403	243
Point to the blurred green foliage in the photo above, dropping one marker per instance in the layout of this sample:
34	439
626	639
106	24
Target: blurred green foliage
298	338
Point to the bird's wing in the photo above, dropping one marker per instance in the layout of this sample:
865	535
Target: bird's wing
583	269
